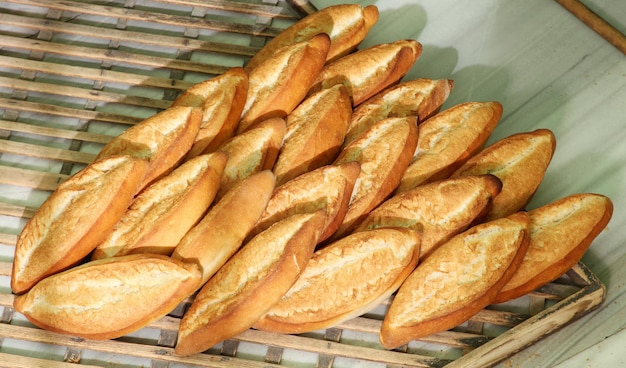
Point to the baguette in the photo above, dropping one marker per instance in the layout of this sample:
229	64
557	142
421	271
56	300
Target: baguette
221	100
344	280
419	97
89	203
520	161
560	234
315	133
253	280
221	232
280	83
368	71
447	140
109	298
328	187
162	139
252	151
384	152
162	213
346	24
457	280
439	210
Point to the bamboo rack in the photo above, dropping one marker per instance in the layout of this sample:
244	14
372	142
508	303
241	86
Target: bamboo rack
73	74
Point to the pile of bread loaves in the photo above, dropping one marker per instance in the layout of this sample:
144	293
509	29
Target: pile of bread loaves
297	192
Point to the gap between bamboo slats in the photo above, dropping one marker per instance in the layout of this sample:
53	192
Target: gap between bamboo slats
152	17
236	7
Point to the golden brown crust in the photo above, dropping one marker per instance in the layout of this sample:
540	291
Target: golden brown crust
252	151
457	280
162	139
280	83
368	71
109	298
447	140
315	132
440	209
419	97
161	214
45	246
384	152
221	232
328	188
520	161
253	280
221	100
344	280
560	234
346	24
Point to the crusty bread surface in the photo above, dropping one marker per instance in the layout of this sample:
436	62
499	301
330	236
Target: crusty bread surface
344	280
439	209
457	280
222	231
161	214
109	298
75	218
560	234
448	139
253	280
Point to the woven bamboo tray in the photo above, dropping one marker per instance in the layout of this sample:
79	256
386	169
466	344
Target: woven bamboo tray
74	74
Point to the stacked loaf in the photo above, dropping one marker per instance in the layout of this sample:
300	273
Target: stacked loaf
300	191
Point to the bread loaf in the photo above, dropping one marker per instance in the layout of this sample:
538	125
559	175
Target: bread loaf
109	298
328	188
280	83
253	280
346	24
221	100
221	232
315	133
162	213
560	234
252	151
439	209
368	71
447	140
75	218
419	97
344	280
384	152
457	280
162	139
520	161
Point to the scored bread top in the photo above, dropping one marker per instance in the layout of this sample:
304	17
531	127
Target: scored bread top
419	97
368	71
45	246
448	139
221	100
252	280
161	214
520	161
252	151
328	187
384	152
109	298
162	139
457	280
560	234
315	132
346	24
222	231
345	279
439	210
280	83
